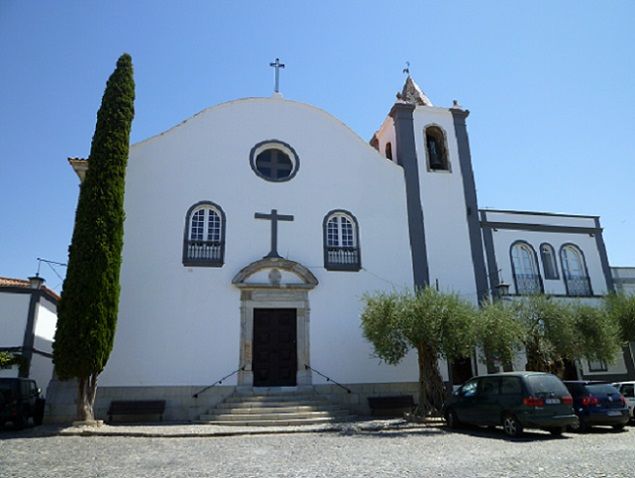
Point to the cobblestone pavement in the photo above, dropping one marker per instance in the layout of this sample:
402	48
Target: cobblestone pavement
353	451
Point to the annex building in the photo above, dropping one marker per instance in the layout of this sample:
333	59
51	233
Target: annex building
254	228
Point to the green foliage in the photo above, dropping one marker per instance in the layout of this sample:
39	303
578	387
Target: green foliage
558	331
500	334
395	323
434	324
550	333
621	308
381	324
598	333
8	359
87	312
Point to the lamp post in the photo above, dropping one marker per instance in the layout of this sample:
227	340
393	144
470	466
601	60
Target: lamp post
501	290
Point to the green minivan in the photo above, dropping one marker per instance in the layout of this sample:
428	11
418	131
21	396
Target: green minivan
513	400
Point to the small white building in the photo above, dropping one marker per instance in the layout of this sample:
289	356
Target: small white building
254	228
624	279
28	316
561	255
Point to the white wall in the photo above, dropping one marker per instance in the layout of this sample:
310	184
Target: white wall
14	311
385	135
10	372
624	278
46	321
180	325
41	371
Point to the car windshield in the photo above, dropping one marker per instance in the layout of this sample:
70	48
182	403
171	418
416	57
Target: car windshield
546	385
601	388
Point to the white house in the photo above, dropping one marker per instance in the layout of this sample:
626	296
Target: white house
28	316
624	279
254	228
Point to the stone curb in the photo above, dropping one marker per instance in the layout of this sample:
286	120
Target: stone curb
348	428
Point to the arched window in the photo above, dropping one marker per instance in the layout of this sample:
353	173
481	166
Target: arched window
435	149
548	257
341	242
576	278
525	269
388	151
204	239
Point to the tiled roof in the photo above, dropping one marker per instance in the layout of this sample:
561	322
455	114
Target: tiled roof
412	93
24	284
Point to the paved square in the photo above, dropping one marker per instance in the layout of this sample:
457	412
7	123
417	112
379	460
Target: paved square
424	452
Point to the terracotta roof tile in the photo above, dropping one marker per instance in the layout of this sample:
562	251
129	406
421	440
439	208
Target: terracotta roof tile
24	284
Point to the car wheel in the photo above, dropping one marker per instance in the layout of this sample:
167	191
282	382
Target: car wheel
619	427
452	420
583	427
512	426
556	431
19	422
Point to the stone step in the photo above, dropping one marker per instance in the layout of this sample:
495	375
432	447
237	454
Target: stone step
276	391
272	404
276	407
267	416
242	408
251	412
276	423
274	398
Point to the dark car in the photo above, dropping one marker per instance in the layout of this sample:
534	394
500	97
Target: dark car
20	400
513	400
598	403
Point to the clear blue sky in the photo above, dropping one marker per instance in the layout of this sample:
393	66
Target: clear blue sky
549	85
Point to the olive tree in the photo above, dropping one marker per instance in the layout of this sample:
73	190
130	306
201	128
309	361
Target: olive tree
500	335
556	331
621	308
436	325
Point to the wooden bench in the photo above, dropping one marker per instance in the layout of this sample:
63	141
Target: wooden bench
391	406
136	408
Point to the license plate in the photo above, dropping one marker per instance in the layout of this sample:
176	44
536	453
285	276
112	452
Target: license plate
552	401
614	414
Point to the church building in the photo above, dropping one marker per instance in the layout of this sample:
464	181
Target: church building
254	228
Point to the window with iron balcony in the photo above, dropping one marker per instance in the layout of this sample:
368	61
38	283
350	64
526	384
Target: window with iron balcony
204	238
341	242
527	278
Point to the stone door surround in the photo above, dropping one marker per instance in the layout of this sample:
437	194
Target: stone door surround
274	283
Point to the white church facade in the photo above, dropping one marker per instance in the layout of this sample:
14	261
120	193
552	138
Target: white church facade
254	228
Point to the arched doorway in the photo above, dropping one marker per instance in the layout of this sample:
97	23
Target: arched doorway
274	323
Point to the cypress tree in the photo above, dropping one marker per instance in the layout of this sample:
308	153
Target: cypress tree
87	313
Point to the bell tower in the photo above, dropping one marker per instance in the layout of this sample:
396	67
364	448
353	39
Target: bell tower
431	144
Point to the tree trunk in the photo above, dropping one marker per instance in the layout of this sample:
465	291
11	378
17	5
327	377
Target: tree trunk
87	389
431	388
536	356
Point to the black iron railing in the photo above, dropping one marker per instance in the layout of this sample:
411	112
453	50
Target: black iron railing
578	286
328	379
528	284
218	382
211	251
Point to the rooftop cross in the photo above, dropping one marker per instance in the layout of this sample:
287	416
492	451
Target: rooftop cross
274	217
406	70
277	65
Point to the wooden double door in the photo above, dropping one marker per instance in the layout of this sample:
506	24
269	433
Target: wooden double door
275	354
